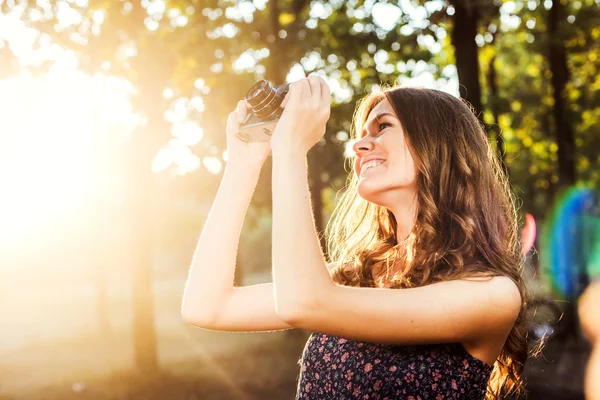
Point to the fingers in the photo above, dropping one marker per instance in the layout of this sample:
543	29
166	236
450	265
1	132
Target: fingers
312	90
242	110
314	82
299	92
236	117
321	95
233	124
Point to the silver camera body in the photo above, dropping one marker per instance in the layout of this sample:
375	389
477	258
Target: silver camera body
264	111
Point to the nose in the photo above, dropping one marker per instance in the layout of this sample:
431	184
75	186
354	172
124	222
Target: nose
362	146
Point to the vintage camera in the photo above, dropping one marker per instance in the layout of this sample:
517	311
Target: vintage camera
264	111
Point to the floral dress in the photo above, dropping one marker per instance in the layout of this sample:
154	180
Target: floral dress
337	368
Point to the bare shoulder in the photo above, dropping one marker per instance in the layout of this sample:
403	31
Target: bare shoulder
500	289
500	302
499	306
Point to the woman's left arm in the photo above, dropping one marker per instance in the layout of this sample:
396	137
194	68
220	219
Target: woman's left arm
306	297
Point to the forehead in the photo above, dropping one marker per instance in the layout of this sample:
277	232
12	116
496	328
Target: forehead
383	106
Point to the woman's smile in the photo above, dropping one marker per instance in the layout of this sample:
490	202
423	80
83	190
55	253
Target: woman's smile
371	165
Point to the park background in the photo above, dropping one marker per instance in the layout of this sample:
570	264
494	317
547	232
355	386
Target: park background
112	147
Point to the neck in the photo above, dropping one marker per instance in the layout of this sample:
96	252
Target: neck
405	215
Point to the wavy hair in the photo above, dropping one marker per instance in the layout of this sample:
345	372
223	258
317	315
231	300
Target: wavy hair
466	221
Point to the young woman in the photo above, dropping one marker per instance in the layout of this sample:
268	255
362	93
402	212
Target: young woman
423	297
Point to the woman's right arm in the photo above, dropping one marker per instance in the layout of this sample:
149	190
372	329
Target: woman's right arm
210	301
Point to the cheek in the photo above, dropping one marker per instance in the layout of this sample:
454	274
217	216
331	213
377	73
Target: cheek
409	163
404	170
409	171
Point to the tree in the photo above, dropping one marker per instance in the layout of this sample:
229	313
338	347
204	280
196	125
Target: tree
557	59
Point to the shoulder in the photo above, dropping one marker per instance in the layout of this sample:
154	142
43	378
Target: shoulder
499	287
501	290
499	300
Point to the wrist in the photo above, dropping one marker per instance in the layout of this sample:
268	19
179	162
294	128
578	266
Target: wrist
289	164
242	169
289	153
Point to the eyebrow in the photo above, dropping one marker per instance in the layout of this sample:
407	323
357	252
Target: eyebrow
372	120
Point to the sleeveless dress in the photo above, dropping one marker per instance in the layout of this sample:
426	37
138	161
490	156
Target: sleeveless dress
337	368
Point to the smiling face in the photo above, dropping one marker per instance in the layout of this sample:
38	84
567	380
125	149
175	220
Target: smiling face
392	183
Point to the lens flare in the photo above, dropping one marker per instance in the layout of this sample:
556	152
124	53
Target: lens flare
528	233
570	245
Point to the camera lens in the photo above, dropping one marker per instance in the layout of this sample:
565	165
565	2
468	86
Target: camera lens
263	99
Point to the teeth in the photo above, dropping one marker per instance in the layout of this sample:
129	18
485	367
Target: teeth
373	163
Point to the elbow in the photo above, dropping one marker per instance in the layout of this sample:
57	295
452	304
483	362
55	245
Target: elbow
296	308
195	318
291	312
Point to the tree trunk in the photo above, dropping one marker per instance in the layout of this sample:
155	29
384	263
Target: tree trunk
144	334
145	188
557	57
464	30
277	70
99	240
99	244
493	106
142	211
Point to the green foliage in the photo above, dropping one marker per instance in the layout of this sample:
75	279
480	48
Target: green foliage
194	49
525	101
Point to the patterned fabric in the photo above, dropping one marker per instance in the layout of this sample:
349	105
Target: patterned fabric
337	368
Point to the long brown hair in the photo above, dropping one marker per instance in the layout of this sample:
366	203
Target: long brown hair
466	222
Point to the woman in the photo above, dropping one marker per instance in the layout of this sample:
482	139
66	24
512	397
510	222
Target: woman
424	297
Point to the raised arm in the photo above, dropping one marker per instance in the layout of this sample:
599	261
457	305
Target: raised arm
210	280
210	301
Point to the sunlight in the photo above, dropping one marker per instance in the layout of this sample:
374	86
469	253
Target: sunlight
52	132
51	126
47	142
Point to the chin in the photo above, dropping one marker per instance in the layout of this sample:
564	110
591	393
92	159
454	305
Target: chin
371	192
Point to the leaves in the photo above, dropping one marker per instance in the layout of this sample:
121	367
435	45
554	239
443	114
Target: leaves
355	51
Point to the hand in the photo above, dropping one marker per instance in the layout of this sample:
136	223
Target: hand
251	154
307	107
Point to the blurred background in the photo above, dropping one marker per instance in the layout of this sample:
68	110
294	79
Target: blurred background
112	147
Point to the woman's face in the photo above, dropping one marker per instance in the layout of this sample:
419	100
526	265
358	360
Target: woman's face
392	183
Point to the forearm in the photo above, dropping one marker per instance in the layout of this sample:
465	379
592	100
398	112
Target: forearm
210	278
299	269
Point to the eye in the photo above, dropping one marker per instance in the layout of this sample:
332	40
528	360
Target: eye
382	126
